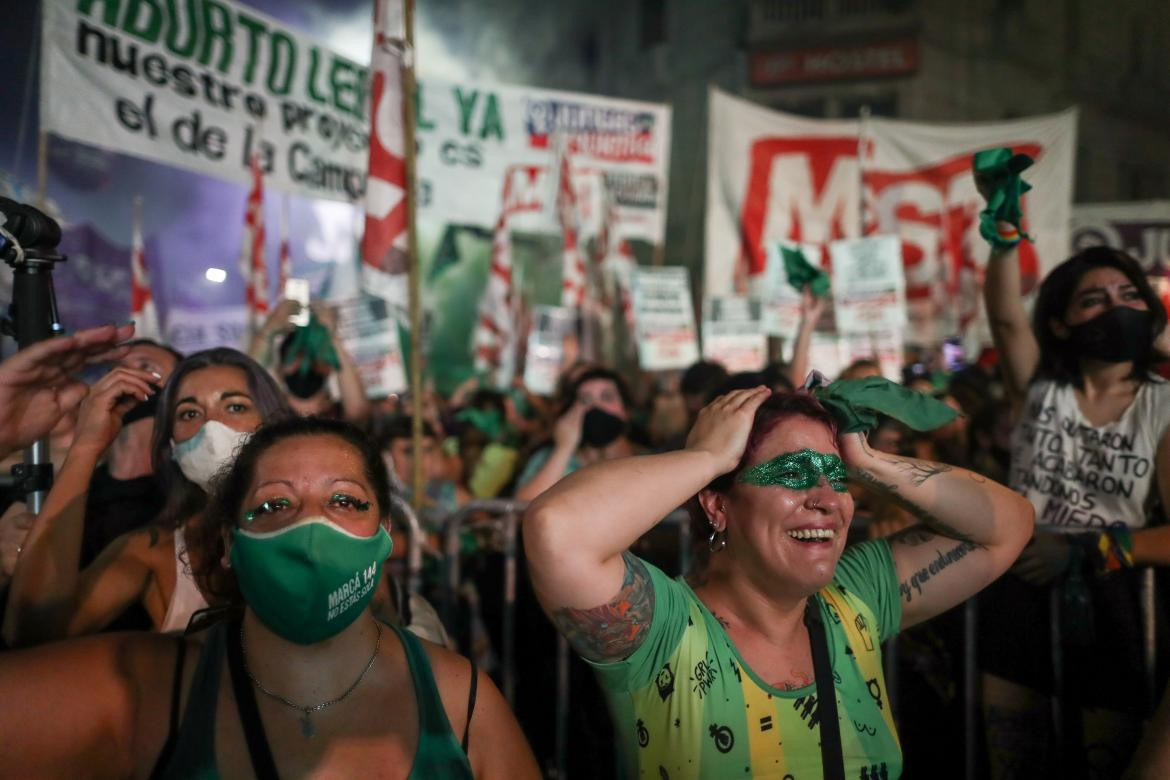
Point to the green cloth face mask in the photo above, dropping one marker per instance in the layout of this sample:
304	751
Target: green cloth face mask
1000	171
801	470
309	581
801	273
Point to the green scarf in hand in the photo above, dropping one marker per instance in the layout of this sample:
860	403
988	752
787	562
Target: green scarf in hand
856	403
313	343
999	170
801	272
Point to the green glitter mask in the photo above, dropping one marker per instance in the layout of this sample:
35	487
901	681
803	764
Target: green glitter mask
801	470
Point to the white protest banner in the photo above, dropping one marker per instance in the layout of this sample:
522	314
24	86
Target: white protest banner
774	176
368	328
869	287
546	348
733	334
1140	229
192	330
202	84
781	301
472	135
887	348
918	184
664	318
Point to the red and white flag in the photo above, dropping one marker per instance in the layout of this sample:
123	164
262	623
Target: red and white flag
142	309
285	265
252	261
495	337
384	250
573	264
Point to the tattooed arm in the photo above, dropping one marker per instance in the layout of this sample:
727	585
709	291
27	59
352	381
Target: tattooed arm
576	534
970	529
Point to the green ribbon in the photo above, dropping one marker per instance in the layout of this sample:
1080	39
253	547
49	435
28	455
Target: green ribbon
856	403
489	422
999	171
801	272
313	343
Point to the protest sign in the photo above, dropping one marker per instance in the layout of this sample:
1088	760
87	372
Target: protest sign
546	348
368	328
664	318
869	287
733	334
204	85
1140	229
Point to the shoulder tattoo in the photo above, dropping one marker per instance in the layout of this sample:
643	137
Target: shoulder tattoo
614	630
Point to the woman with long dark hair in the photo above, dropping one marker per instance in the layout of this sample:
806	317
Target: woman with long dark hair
212	402
1089	450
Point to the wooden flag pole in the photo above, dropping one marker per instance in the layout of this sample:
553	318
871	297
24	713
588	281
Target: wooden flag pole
416	379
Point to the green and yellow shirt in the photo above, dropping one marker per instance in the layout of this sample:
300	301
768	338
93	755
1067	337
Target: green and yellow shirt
685	705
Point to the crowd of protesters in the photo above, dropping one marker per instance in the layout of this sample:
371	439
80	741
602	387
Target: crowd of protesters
247	510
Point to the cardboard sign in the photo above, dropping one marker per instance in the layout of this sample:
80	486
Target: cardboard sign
664	319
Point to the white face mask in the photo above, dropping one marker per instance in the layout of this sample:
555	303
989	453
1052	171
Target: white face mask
205	453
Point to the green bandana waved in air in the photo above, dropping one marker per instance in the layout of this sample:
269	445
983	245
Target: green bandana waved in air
999	171
801	470
801	272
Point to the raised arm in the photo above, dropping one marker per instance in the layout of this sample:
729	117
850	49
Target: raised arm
811	309
566	438
354	403
970	529
577	533
45	581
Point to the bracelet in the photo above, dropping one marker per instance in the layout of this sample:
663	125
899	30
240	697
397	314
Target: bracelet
1115	549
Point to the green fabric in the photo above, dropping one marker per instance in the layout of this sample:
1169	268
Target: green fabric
489	422
312	343
856	403
497	464
801	272
440	754
310	580
999	170
801	470
685	705
194	755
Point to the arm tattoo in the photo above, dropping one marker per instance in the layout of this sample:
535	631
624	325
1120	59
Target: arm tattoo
612	631
933	522
920	471
913	585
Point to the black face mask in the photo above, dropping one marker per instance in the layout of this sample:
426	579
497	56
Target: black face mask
599	428
142	409
1116	336
304	385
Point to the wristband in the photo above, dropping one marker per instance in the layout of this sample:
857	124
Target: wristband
1114	549
1000	170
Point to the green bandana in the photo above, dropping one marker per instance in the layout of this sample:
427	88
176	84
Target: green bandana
314	344
1000	169
801	272
311	580
489	422
800	470
856	403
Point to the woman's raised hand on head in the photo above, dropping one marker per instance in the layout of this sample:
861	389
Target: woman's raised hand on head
723	426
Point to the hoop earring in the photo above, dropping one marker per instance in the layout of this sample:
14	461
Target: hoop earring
717	540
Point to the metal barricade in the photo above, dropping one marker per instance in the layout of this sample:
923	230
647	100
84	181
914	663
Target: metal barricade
506	517
415	540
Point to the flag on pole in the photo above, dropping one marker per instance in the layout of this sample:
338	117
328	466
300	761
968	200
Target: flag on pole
495	336
142	309
573	263
384	250
285	265
252	262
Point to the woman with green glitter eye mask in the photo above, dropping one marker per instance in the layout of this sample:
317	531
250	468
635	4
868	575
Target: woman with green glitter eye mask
708	676
319	686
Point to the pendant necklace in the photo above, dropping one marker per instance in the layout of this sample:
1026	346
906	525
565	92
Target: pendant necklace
307	712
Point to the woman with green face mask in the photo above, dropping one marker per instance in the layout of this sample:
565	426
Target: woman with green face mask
770	664
299	680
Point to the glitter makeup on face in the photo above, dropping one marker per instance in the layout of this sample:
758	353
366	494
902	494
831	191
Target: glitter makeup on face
268	506
360	505
801	470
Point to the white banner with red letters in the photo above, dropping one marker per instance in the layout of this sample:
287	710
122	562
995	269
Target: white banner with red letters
778	177
1141	229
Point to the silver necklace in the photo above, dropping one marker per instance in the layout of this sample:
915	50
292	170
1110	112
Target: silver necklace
307	712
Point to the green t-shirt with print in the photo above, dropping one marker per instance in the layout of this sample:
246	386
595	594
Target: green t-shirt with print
685	705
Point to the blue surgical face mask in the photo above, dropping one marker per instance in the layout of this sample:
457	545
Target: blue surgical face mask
202	456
